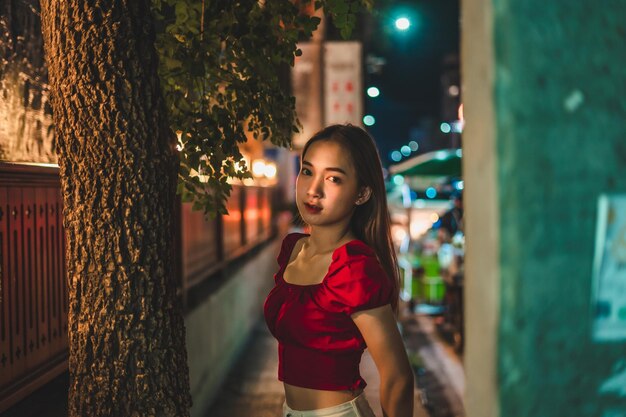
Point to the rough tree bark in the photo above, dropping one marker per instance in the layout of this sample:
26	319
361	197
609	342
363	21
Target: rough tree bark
118	176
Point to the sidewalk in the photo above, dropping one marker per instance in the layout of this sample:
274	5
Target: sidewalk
252	388
439	370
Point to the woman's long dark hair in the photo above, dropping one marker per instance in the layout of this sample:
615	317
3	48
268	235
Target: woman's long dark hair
370	221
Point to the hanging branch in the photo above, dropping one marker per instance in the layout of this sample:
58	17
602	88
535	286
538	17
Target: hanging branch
218	66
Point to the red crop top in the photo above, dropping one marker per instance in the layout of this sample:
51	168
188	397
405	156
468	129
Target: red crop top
319	346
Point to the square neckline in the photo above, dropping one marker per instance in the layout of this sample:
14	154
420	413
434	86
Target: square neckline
333	259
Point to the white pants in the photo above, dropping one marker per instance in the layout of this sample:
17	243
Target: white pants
358	407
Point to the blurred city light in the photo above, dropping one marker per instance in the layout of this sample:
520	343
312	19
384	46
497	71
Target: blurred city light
413	145
406	196
405	150
258	168
368	120
456	126
434	217
399	234
431	192
453	90
262	168
441	155
402	23
459	185
398	179
270	170
373	92
461	117
241	165
396	156
445	127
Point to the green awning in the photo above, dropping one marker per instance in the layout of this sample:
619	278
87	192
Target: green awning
442	163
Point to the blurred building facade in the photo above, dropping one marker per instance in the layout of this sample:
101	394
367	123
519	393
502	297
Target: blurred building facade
543	94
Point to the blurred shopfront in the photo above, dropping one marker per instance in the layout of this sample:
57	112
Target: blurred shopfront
425	202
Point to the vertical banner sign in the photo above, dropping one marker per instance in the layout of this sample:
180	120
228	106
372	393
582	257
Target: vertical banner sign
306	82
343	92
609	270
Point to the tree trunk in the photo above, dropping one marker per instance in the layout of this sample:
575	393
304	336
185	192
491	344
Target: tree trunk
118	174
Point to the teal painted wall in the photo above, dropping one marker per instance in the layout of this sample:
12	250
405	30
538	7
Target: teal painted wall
560	104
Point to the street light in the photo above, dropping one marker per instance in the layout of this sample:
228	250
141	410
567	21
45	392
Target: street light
402	23
373	92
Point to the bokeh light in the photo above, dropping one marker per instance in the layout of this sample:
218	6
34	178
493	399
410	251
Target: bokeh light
398	179
373	92
402	23
368	120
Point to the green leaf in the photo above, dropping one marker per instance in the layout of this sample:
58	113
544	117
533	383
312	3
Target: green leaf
341	7
214	82
182	12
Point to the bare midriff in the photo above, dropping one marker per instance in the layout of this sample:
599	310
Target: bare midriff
301	399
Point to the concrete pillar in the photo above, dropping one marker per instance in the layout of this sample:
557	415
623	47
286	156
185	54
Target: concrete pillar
543	91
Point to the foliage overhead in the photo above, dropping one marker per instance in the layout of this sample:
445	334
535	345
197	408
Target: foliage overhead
219	62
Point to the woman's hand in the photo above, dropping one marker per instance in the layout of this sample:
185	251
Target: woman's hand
380	331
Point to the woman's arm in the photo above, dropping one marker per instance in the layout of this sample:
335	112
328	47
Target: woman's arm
379	329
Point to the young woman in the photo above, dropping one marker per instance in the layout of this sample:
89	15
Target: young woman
336	290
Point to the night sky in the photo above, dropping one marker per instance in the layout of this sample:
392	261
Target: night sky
408	107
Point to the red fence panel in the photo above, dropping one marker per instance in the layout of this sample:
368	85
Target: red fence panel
33	289
200	244
33	278
251	214
233	224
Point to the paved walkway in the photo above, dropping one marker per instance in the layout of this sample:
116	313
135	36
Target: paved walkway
252	388
439	370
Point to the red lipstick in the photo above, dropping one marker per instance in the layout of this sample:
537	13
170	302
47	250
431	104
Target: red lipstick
312	208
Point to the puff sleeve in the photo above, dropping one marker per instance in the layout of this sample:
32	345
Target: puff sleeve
358	282
285	250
